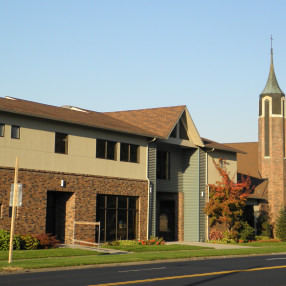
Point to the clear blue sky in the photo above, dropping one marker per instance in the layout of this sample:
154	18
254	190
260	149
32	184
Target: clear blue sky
212	56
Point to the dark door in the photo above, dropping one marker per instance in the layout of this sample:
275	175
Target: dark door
56	213
167	220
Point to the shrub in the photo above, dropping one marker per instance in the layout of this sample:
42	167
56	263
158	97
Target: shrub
5	240
246	232
28	242
264	227
47	240
215	235
281	225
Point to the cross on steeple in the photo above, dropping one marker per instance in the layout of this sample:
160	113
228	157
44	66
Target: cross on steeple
271	39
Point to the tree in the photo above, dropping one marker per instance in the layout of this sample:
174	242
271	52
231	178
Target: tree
227	200
281	225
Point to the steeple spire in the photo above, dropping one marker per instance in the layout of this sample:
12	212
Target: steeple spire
272	85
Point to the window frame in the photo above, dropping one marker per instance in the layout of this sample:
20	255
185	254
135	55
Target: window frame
163	168
129	153
13	128
2	129
63	140
109	149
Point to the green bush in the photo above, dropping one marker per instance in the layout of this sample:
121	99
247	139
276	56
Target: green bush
281	225
264	227
28	242
5	240
246	232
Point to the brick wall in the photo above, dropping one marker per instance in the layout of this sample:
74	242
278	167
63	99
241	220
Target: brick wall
80	205
274	166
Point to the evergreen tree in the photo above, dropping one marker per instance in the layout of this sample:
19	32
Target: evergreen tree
281	225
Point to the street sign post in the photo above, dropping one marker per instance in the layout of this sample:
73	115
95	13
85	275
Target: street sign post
14	202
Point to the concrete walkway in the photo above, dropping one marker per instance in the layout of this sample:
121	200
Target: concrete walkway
94	248
208	244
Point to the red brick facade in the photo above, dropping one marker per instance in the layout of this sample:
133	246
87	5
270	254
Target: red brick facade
78	194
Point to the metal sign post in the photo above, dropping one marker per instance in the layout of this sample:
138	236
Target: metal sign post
15	199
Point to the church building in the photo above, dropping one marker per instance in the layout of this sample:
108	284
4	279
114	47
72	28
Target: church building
264	161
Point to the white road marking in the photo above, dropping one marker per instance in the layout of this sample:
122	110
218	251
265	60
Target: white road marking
281	258
147	269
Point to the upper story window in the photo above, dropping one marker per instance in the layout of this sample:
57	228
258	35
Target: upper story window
2	129
61	143
129	152
15	132
105	149
163	165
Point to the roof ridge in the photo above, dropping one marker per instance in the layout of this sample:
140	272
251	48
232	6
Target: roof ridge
84	115
146	109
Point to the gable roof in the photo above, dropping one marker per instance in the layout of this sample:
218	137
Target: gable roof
160	121
73	116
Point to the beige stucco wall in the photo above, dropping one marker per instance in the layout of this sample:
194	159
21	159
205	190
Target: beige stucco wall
35	149
230	165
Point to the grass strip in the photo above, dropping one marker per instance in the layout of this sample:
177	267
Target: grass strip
134	257
45	253
151	248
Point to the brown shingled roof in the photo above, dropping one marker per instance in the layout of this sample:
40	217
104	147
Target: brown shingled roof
87	118
212	144
247	162
160	121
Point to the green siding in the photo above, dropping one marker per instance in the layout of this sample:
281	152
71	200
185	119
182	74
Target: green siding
202	195
152	158
191	189
174	185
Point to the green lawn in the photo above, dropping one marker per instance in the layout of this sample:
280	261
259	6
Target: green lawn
74	257
151	248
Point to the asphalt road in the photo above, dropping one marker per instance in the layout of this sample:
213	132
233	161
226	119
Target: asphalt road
254	270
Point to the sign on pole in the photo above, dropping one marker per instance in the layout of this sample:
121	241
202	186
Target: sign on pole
19	195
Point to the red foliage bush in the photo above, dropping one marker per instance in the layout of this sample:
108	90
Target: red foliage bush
215	235
47	240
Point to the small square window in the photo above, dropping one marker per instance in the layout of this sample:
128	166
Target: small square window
129	153
2	129
105	149
15	132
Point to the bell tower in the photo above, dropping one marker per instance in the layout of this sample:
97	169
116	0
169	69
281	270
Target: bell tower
271	141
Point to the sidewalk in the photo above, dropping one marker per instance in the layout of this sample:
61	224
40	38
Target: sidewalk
208	244
94	248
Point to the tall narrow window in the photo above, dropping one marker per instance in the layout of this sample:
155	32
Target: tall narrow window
15	132
61	143
163	165
105	149
2	129
129	152
283	116
266	129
